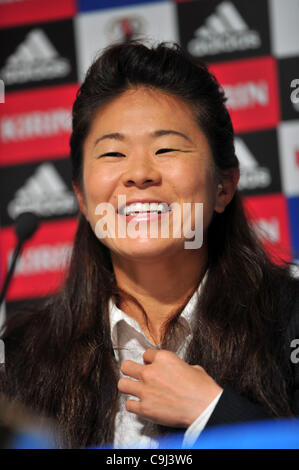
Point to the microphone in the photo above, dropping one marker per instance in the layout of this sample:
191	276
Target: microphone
26	225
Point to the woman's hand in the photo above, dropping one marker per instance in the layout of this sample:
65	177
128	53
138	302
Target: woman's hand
170	391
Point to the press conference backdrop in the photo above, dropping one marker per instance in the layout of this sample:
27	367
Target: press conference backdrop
252	46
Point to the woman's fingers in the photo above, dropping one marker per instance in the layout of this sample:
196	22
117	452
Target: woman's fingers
170	391
132	369
130	387
133	406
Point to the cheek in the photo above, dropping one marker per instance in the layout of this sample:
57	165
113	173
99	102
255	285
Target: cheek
97	186
196	184
200	187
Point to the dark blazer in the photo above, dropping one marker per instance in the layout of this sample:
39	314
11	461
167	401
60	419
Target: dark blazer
235	408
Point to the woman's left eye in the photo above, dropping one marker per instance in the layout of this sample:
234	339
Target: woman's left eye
165	150
112	154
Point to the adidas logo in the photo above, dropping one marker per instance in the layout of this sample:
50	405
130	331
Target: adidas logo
35	59
45	193
252	176
223	31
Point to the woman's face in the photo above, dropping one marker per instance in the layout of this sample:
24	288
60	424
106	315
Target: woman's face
146	146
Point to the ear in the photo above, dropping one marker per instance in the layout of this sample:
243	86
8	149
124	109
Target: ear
226	189
81	199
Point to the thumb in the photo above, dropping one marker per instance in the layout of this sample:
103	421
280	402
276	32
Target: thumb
149	355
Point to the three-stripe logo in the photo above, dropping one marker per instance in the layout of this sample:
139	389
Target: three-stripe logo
252	175
223	31
44	193
35	59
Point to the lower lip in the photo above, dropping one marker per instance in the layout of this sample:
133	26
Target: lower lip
146	217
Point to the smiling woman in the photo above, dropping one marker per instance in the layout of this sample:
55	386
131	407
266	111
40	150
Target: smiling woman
158	155
148	334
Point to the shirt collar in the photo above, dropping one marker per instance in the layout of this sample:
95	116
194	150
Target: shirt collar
116	315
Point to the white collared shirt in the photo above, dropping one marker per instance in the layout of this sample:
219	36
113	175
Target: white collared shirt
129	343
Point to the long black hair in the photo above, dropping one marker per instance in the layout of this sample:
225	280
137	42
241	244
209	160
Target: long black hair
60	360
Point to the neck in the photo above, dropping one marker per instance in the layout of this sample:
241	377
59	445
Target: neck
161	286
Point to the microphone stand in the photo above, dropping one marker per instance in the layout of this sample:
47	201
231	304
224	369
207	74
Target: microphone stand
11	270
25	226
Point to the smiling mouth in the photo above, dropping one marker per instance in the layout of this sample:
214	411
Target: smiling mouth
144	209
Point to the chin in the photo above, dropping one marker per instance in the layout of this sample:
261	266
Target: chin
144	248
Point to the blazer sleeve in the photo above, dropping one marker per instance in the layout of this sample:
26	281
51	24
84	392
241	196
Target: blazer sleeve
233	407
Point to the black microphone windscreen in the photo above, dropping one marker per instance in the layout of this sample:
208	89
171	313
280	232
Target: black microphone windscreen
25	225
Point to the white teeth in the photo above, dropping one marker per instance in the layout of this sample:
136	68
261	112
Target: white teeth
139	207
154	207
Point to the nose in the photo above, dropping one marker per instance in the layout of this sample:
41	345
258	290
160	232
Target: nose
141	172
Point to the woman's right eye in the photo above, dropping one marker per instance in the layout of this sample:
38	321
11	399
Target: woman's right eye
111	154
165	150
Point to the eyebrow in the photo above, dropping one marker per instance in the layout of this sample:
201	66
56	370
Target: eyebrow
158	133
113	135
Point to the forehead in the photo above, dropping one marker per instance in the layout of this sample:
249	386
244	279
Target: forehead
145	106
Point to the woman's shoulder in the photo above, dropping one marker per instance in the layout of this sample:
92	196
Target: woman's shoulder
31	351
27	333
283	283
293	324
20	322
285	289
